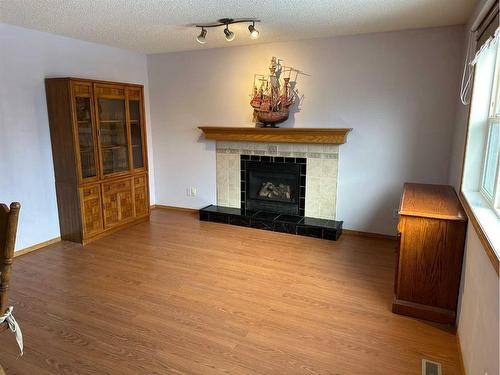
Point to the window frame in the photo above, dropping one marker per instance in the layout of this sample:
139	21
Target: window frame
493	200
483	219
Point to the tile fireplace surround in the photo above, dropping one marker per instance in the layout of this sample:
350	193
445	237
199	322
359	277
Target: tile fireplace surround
321	177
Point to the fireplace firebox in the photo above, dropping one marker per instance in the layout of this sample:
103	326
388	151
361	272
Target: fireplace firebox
273	187
273	184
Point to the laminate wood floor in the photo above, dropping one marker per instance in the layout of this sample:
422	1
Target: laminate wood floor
180	296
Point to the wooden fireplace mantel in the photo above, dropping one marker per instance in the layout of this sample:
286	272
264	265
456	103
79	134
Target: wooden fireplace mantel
286	135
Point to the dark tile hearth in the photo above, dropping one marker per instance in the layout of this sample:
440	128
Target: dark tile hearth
300	225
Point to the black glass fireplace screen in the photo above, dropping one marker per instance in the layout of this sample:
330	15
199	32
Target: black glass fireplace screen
273	187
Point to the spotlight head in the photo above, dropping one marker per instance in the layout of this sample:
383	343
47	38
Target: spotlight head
254	33
229	34
201	38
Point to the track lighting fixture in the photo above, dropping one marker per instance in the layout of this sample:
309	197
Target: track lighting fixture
229	35
201	38
254	33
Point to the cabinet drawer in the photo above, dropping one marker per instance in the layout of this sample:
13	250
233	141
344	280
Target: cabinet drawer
117	186
90	192
140	180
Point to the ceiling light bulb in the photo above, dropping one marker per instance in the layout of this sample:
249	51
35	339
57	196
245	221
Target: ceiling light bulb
254	33
201	38
229	34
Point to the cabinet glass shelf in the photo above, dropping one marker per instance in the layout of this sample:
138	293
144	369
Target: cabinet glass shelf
85	137
136	133
113	135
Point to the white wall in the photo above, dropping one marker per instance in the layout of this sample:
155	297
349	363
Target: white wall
27	57
479	313
478	310
396	90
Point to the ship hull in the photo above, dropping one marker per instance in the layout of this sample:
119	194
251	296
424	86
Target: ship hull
271	118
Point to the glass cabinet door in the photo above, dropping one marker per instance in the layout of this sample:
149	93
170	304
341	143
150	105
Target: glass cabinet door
136	133
113	135
85	137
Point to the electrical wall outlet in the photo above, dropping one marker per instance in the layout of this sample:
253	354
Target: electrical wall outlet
191	191
272	148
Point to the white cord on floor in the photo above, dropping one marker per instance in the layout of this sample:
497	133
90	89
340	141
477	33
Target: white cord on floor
13	326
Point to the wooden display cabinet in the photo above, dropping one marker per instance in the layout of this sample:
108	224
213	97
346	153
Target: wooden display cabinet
99	150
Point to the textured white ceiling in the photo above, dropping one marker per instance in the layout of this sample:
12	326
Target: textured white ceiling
153	26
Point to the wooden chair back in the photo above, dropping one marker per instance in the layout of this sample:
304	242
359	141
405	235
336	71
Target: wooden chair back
8	229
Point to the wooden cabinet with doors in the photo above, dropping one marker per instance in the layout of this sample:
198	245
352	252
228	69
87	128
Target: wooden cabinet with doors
99	150
432	228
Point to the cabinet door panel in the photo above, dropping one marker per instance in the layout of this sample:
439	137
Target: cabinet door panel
396	272
91	210
118	202
85	130
430	261
137	132
113	132
141	195
113	135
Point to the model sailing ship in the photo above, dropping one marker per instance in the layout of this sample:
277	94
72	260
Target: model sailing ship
274	94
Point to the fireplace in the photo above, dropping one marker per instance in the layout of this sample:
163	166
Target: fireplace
288	188
273	184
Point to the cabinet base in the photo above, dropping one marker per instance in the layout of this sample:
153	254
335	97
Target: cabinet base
115	229
417	310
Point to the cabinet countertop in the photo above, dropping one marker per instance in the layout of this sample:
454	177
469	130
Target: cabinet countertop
431	201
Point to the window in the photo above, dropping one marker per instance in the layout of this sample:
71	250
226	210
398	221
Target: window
481	169
490	186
